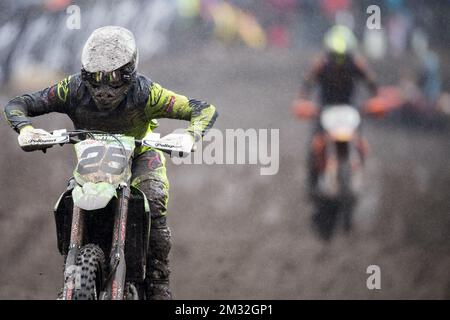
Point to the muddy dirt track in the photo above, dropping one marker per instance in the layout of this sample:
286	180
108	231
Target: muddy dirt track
240	235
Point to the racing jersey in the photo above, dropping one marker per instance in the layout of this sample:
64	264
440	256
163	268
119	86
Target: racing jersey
337	80
144	102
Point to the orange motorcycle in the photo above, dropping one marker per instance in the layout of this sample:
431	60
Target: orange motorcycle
336	161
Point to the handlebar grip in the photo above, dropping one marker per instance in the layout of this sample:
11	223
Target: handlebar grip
31	147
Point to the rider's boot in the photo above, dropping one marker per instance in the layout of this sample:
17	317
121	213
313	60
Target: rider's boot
158	263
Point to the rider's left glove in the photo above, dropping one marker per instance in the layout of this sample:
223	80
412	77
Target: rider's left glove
28	133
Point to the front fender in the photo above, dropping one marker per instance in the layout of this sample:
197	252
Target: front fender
93	196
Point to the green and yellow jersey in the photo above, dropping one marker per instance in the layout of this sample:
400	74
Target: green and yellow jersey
136	115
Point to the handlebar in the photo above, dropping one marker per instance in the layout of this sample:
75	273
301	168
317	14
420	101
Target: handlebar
170	144
74	138
306	109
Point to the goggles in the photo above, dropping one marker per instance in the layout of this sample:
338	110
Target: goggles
114	78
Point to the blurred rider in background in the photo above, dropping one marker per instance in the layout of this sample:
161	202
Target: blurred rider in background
335	73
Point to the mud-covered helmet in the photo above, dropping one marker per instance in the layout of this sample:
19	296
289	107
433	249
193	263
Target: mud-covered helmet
109	62
340	40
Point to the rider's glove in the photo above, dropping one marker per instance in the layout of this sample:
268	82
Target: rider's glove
27	134
185	140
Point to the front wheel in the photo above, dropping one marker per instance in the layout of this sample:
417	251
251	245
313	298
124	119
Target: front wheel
347	197
324	218
90	273
344	177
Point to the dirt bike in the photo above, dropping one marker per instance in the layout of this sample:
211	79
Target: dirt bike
102	213
338	154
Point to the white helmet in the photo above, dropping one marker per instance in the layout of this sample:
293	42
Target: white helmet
108	49
109	62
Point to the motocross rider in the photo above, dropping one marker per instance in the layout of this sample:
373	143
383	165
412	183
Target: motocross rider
109	95
335	73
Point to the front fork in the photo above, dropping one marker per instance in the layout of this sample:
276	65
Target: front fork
70	270
115	285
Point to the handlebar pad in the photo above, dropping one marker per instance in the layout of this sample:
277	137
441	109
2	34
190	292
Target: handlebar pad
40	142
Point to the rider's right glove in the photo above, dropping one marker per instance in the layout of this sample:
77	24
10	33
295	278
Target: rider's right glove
27	134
